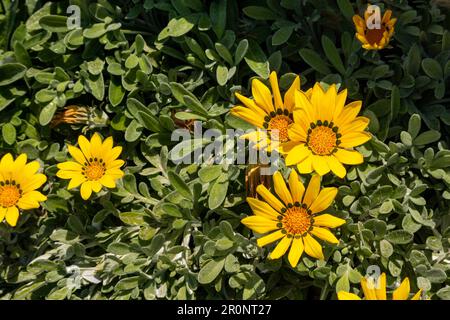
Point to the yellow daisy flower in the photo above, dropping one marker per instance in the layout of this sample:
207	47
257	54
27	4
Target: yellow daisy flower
295	218
324	132
267	113
377	291
95	165
18	183
374	39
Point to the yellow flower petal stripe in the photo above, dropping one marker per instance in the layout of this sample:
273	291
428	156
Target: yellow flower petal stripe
324	132
18	183
374	39
95	166
292	217
376	290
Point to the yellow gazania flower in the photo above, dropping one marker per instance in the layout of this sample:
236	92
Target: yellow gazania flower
377	291
295	218
95	165
266	112
374	39
324	132
18	183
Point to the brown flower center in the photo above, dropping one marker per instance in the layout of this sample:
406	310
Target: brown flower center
374	36
296	220
9	193
323	138
94	170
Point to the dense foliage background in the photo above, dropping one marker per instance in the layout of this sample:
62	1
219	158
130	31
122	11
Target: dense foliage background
145	67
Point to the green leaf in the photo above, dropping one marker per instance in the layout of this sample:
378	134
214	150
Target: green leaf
115	91
133	218
414	125
95	31
332	54
218	15
54	23
282	35
133	131
257	60
427	137
210	271
314	60
346	8
217	194
386	248
432	68
399	237
444	293
210	173
127	283
241	51
221	75
178	27
149	121
9	133
96	86
11	72
47	113
179	185
259	13
187	98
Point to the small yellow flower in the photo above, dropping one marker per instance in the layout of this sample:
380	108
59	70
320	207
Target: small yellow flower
18	183
295	218
374	39
267	112
95	165
324	132
377	291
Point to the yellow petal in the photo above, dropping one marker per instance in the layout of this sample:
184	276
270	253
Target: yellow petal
297	133
380	289
281	248
31	200
297	154
262	209
348	114
402	292
12	215
272	237
329	221
320	165
417	295
114	164
336	167
328	105
249	103
7	161
340	103
86	190
349	156
296	251
359	124
306	112
96	186
262	95
281	188
34	183
354	139
342	295
269	198
107	181
20	163
96	145
115	173
85	147
248	115
289	96
275	90
324	234
305	166
324	199
63	174
368	288
70	166
76	154
313	248
312	191
260	224
75	181
296	187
